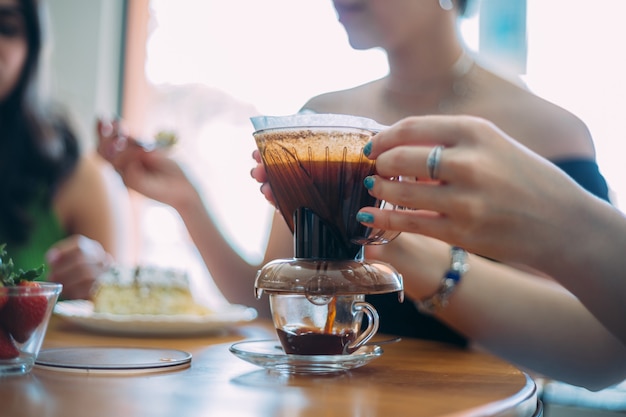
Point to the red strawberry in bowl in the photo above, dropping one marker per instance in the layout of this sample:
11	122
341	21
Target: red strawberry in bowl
22	314
3	295
25	309
8	350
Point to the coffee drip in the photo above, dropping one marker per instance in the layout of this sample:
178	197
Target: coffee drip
315	167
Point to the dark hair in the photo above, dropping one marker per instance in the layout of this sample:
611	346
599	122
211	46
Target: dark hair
37	146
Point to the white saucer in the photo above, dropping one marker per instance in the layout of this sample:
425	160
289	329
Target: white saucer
270	355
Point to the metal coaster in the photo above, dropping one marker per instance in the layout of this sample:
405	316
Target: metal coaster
112	360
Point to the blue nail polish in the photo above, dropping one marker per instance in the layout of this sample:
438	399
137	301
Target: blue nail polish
364	217
367	149
369	182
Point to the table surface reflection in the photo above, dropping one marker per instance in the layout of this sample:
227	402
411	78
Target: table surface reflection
411	378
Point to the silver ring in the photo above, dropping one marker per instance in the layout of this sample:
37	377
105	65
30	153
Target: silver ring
434	158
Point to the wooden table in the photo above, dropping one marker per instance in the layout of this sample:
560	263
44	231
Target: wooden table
411	378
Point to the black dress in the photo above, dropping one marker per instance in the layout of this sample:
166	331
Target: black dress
403	319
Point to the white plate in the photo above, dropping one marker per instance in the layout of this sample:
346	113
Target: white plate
80	312
270	355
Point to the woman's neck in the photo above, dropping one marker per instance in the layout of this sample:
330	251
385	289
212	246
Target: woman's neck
428	78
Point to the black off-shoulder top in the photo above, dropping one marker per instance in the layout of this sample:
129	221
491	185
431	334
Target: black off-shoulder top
403	319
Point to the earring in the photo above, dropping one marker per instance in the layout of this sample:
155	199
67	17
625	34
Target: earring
446	4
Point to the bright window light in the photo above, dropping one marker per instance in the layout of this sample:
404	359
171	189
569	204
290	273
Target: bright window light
271	56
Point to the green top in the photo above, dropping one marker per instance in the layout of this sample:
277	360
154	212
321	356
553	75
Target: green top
47	230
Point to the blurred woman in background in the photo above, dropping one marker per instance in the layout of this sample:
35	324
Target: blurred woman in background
57	205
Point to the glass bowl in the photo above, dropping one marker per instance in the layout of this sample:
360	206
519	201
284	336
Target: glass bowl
25	311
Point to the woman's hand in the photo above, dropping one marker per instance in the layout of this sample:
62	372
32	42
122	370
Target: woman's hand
492	196
76	262
151	173
260	175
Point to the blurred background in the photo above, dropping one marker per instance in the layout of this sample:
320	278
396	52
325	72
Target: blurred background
203	67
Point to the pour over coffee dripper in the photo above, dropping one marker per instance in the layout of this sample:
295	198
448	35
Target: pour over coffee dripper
315	167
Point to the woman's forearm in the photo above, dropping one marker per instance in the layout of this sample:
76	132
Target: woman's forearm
232	274
525	318
588	257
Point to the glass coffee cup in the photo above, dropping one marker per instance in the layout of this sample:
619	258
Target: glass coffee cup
325	326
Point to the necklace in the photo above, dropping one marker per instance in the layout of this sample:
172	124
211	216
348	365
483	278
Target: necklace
460	85
459	88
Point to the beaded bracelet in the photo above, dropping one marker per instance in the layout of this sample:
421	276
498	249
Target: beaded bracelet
458	266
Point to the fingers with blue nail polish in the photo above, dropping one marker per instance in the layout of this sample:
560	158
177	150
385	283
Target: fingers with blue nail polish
364	217
367	149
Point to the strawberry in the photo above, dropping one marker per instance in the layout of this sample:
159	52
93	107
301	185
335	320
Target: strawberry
19	315
22	314
3	295
8	350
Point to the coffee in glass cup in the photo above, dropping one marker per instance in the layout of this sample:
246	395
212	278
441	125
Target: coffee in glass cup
326	326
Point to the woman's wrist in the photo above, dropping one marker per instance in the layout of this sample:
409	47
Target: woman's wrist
189	204
440	298
422	261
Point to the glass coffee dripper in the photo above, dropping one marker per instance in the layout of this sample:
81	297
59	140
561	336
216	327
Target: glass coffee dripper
315	167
